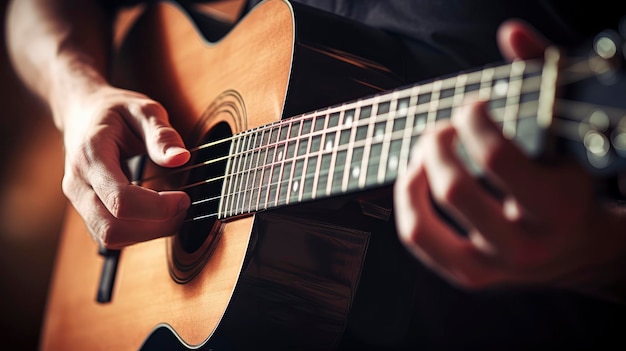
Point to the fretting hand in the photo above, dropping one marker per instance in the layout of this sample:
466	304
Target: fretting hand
545	228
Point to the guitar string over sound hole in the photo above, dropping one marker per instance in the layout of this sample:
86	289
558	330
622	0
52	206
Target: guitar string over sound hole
191	248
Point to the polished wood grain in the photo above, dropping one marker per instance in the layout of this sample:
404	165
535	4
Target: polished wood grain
188	74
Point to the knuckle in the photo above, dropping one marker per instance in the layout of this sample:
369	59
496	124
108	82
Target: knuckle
453	190
108	235
113	202
148	108
164	134
68	185
495	157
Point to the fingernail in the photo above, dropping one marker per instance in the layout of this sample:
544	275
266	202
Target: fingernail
176	156
174	150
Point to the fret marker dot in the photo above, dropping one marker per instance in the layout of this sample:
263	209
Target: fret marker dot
329	145
393	163
348	121
420	124
500	88
294	188
402	108
280	156
356	171
378	136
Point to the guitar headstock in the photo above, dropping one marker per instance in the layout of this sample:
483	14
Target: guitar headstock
590	117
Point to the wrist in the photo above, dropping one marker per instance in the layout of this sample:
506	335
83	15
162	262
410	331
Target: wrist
73	78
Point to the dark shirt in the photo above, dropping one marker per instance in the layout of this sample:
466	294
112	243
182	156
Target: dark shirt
466	30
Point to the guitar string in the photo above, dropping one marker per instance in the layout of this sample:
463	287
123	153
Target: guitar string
577	70
444	104
450	102
265	189
277	159
307	138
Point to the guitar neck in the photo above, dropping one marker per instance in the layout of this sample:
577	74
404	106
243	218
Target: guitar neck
367	143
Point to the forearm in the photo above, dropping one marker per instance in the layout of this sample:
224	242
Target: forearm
58	48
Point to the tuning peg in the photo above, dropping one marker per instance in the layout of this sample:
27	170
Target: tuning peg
607	44
607	61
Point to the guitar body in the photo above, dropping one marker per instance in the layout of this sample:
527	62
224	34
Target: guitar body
284	281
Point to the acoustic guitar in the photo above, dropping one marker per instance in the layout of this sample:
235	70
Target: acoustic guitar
248	270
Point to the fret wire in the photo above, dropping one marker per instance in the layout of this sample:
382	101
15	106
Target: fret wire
549	74
364	101
233	174
244	173
447	103
247	163
306	158
486	79
226	191
309	138
282	155
276	169
333	150
271	150
236	176
256	180
372	121
401	135
391	114
509	123
255	157
433	105
254	163
238	183
264	150
423	87
240	176
396	136
353	127
296	145
319	158
231	161
367	146
408	130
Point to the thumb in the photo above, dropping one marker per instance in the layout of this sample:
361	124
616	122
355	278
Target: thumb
519	40
163	143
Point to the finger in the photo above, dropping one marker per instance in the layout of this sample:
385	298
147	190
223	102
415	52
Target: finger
122	199
108	230
459	193
163	143
433	241
518	40
115	233
499	158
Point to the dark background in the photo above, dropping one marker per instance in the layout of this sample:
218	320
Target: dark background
31	206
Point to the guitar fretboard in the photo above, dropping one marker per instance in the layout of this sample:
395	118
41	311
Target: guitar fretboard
368	142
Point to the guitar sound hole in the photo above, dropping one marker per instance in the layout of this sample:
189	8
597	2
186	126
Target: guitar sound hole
205	194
